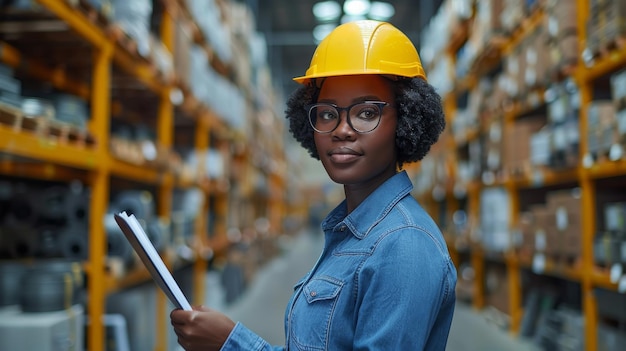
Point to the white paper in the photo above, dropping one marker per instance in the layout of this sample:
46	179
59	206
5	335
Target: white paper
151	259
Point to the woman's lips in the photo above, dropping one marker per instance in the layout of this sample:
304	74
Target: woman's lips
343	155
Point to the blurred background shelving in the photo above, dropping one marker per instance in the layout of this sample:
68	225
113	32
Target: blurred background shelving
529	186
115	105
174	110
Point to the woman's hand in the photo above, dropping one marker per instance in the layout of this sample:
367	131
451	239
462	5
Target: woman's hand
202	329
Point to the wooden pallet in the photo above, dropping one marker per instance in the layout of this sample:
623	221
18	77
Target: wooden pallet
562	70
45	127
607	47
101	17
613	43
566	264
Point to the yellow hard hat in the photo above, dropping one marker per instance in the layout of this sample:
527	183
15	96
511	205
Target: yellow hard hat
364	47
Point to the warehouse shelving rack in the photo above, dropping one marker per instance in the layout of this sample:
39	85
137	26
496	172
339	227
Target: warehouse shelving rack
90	73
586	177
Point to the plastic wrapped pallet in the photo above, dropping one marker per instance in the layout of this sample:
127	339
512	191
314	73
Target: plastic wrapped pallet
134	18
517	145
487	23
512	14
538	59
610	338
182	51
561	26
71	109
606	26
602	131
10	87
618	94
434	37
208	15
494	219
222	96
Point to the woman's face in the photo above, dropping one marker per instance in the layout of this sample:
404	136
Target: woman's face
352	158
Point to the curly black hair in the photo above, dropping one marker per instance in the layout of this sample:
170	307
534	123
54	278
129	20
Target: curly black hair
420	118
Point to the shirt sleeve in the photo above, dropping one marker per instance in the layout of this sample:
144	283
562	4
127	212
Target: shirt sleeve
242	338
401	289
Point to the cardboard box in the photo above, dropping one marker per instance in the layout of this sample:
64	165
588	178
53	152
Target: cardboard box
540	148
181	53
526	226
565	205
618	89
621	126
602	131
563	13
567	200
497	286
517	141
543	223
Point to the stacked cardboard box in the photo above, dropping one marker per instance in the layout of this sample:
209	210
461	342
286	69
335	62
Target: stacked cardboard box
610	338
601	129
562	32
10	88
565	206
618	91
183	42
563	120
517	145
606	26
493	147
495	234
527	65
553	228
512	14
609	242
487	23
537	60
533	237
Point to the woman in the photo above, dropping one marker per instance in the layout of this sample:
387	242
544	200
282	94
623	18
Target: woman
385	280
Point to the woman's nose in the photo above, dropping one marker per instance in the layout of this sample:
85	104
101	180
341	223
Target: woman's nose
344	127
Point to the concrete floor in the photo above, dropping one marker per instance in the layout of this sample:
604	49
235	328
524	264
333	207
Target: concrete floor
261	308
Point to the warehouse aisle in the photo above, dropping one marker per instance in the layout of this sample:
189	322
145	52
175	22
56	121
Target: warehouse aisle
261	307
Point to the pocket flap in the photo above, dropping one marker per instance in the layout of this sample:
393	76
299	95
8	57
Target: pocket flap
322	289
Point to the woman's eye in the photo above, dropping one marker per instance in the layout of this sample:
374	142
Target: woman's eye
327	115
367	114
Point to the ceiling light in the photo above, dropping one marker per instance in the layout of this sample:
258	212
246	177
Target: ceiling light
356	7
326	11
321	31
351	18
381	11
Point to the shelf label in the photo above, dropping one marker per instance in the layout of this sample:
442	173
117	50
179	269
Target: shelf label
616	152
537	177
540	240
616	272
621	286
561	218
587	161
539	263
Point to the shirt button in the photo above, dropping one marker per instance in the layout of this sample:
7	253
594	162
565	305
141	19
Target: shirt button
313	293
343	228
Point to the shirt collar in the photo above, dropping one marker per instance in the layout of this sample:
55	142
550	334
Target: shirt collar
370	212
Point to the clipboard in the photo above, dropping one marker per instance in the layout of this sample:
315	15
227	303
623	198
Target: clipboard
151	259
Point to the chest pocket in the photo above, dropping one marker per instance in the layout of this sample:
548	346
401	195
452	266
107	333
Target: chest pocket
312	315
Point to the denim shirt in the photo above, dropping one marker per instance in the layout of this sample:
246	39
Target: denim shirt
384	281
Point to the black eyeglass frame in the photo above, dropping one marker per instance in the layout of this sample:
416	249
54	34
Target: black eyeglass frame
379	104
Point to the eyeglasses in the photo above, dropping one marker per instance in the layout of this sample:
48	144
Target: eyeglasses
363	117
